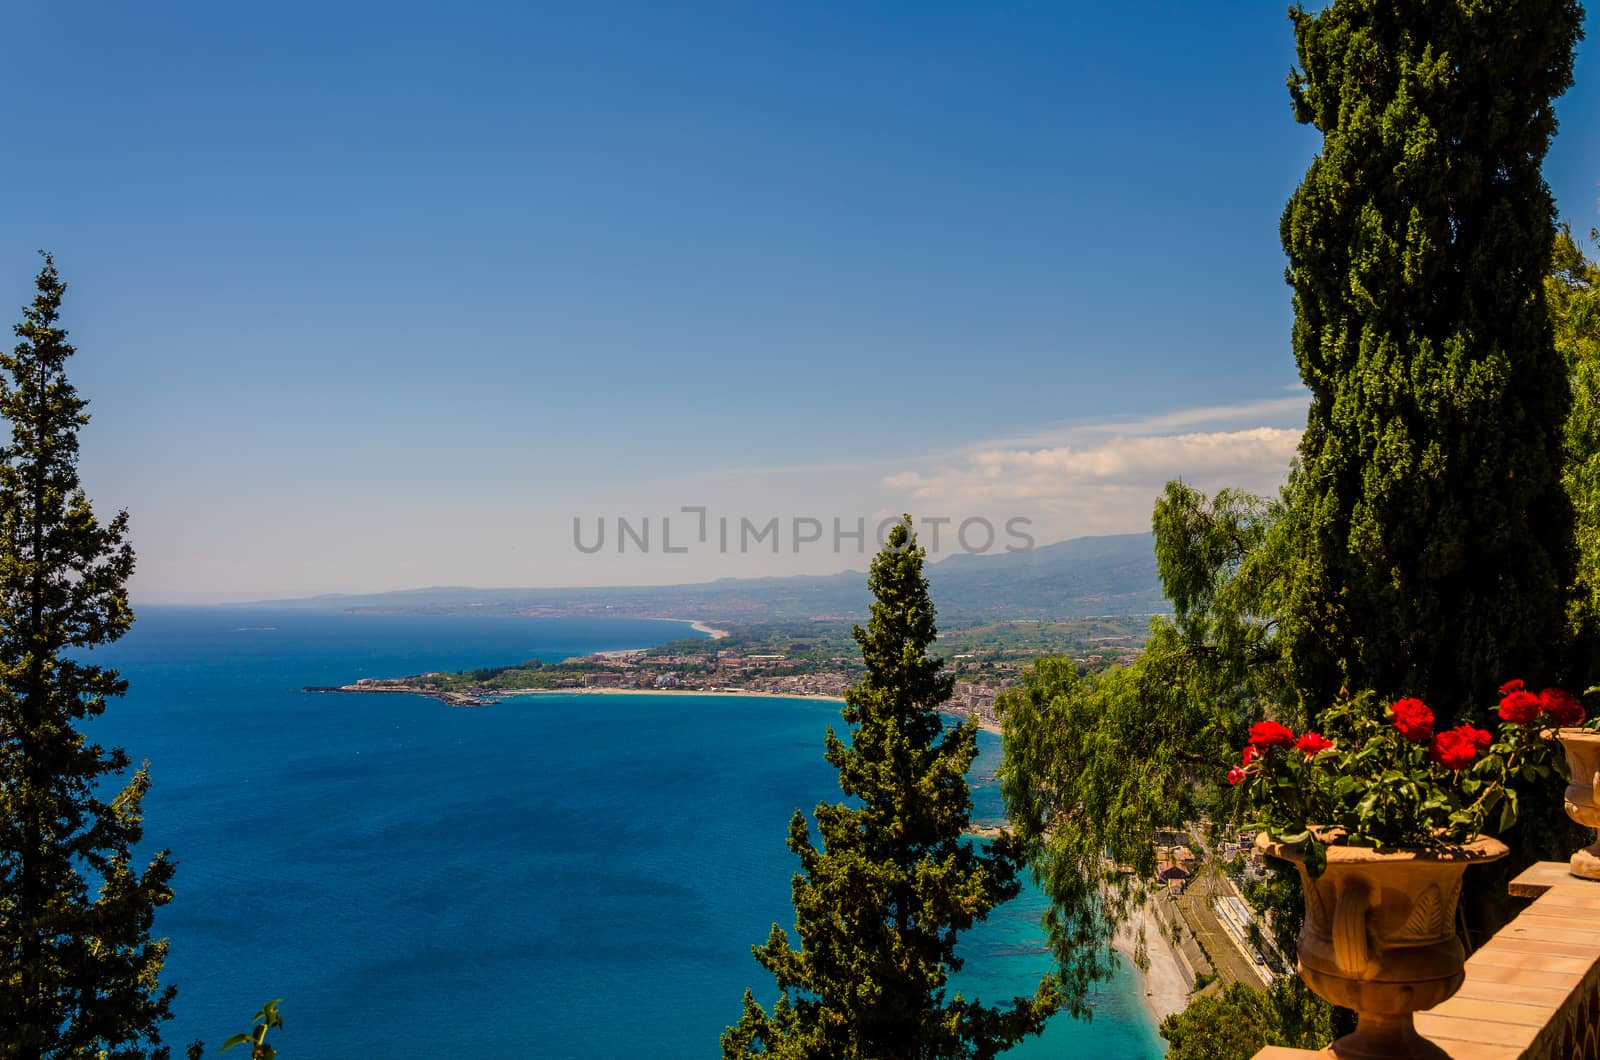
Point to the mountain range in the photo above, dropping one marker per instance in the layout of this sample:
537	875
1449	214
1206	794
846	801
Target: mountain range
1079	578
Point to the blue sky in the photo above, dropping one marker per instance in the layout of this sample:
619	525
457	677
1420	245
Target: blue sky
378	297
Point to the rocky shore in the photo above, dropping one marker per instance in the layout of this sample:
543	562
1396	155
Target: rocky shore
454	699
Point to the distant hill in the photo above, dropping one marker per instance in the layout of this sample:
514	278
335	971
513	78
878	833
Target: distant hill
1083	577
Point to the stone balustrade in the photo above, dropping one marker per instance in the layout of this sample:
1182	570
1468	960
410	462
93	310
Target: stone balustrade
1532	992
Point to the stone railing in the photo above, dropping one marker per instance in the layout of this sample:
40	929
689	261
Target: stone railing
1532	992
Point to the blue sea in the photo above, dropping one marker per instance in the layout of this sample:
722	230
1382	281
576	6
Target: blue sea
552	876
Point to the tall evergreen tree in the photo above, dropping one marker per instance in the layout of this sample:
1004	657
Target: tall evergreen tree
1434	537
879	906
75	915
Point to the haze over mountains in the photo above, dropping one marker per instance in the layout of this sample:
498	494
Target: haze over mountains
1078	578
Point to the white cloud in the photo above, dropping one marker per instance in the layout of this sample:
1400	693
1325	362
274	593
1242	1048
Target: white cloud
1276	412
1124	471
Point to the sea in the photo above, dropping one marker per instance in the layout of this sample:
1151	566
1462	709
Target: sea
550	876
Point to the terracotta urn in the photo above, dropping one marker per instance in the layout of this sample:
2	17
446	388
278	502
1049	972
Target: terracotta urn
1379	937
1583	761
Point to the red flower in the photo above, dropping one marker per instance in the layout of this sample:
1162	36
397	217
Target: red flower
1235	775
1455	748
1250	753
1519	707
1414	720
1312	744
1562	706
1512	686
1270	734
1480	739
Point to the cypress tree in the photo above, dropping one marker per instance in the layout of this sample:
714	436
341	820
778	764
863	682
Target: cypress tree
1434	539
75	915
879	906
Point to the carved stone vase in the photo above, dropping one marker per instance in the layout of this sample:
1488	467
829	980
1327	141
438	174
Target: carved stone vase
1583	760
1380	938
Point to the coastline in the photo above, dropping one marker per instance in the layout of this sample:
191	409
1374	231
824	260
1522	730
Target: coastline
984	725
482	697
488	698
1165	990
700	625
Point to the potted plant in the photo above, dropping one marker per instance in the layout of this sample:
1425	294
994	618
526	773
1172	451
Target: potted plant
1581	743
1381	815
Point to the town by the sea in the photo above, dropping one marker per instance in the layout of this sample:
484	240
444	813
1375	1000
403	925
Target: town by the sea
557	875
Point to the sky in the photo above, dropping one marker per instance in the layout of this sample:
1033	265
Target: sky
423	294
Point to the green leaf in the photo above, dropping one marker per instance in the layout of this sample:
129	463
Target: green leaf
1508	811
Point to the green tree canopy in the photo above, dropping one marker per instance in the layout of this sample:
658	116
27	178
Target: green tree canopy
1433	538
1573	291
880	904
75	913
1094	767
1236	1022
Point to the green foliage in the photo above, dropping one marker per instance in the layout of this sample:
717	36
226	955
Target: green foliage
816	641
879	906
1433	541
266	1020
1029	640
1094	766
1573	291
1237	1022
81	968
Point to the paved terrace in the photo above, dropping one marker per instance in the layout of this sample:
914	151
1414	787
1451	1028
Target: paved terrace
1533	991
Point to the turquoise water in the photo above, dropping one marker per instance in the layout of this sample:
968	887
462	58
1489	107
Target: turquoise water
554	876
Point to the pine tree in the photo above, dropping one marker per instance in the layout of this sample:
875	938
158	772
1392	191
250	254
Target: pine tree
75	916
1435	539
879	906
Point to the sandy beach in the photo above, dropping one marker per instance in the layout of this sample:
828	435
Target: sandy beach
699	626
693	623
1165	991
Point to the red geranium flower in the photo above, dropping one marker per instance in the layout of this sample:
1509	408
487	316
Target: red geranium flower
1454	749
1519	707
1270	734
1235	775
1250	753
1414	720
1512	686
1562	706
1480	739
1313	744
